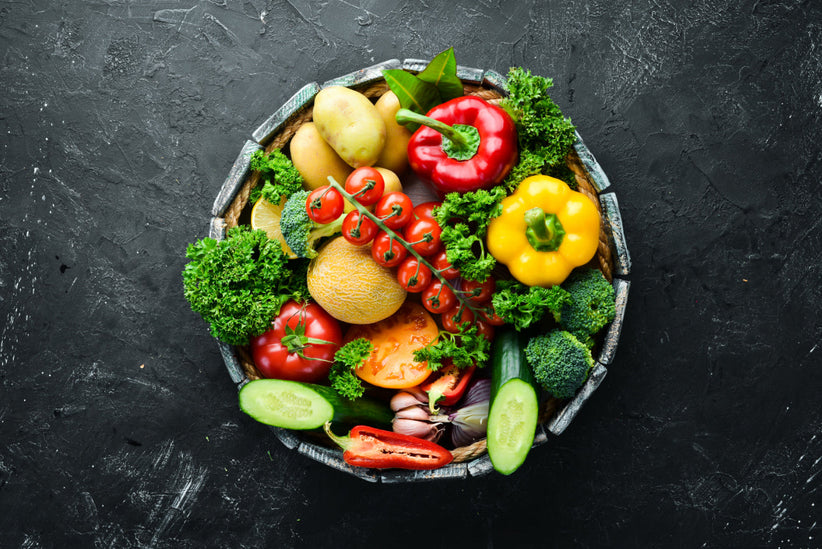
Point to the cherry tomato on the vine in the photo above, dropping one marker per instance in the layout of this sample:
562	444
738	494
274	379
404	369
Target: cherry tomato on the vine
453	318
423	235
440	262
479	292
387	251
366	184
490	316
413	275
324	204
395	210
438	298
358	229
484	329
300	345
426	209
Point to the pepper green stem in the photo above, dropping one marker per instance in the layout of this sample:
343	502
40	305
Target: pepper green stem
544	231
459	141
343	442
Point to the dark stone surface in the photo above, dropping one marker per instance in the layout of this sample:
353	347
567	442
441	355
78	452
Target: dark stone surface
119	121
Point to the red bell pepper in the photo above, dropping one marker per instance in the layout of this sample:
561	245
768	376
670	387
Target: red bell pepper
463	145
378	449
447	387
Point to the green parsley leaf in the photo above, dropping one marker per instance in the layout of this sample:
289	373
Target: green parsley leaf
280	178
347	359
464	349
464	218
521	305
239	284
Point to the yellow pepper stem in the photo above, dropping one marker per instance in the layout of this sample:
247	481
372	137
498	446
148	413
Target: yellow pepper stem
544	231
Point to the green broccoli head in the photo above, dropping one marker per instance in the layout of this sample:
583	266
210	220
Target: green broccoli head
591	307
299	231
559	361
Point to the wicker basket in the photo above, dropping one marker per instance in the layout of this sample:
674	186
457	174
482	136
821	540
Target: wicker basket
231	208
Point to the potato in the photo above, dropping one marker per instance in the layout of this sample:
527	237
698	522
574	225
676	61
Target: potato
394	154
315	159
392	181
351	124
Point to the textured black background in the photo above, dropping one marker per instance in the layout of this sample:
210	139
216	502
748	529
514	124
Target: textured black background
119	120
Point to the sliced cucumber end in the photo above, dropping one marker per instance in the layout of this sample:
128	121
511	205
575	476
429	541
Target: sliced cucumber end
286	404
512	423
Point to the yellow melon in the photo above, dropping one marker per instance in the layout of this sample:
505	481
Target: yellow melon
346	281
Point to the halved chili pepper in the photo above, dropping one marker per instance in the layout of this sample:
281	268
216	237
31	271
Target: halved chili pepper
448	386
378	449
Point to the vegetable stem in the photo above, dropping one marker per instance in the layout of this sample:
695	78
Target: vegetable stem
394	236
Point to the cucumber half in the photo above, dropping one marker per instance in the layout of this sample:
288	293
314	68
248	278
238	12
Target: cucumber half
300	406
287	404
512	423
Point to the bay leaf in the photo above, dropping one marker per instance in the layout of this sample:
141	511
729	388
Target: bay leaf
442	73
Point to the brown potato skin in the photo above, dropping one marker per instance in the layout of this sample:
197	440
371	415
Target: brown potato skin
394	154
315	159
351	124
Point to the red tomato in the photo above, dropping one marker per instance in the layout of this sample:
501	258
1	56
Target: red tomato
395	210
426	209
324	204
366	184
438	298
387	251
424	235
413	275
484	329
479	292
490	316
440	262
300	345
453	318
358	229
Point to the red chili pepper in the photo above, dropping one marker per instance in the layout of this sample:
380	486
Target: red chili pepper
463	145
449	386
369	447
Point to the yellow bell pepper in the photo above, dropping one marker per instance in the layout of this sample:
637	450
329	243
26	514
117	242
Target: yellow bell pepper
544	231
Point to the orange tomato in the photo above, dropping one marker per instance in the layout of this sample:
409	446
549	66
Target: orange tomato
391	364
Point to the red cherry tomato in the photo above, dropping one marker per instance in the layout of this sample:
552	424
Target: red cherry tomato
490	316
438	298
424	235
366	184
426	209
291	349
387	251
395	210
453	318
479	292
324	204
358	229
484	329
440	262
413	275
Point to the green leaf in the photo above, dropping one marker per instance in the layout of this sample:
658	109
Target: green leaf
442	73
413	93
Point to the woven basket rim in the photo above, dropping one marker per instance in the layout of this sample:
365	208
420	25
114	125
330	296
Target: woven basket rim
604	260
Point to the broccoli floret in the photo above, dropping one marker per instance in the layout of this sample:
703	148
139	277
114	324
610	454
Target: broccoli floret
299	231
560	362
591	307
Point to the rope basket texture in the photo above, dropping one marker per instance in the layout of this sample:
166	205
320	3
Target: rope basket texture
237	211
